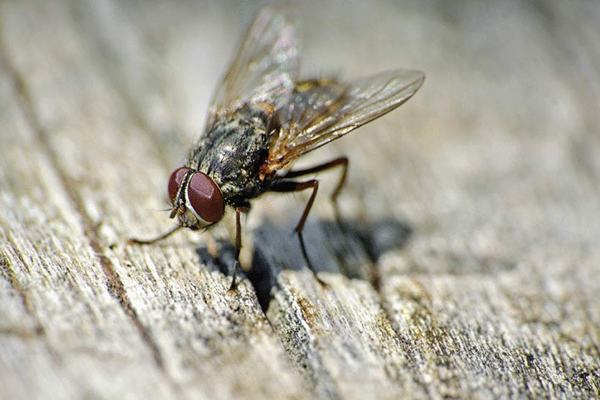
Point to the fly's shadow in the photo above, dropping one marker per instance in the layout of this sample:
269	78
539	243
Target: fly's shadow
352	249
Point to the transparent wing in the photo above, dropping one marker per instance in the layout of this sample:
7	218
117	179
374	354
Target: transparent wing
323	110
265	68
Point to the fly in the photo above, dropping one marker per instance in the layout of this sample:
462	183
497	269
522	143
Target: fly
263	118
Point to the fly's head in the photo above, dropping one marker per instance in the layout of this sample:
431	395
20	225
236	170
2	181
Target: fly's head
196	199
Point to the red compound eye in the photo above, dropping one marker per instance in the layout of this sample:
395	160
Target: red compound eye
175	181
206	198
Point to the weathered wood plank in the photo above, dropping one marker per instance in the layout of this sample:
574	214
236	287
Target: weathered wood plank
467	266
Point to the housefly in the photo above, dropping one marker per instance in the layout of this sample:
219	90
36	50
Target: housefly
263	118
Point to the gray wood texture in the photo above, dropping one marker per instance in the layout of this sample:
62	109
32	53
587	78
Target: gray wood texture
467	265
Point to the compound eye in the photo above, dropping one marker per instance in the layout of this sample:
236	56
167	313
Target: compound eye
175	181
205	198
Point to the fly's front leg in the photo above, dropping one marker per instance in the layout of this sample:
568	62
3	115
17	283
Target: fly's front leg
156	239
338	162
238	245
294	186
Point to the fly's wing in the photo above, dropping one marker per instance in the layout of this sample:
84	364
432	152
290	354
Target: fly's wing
323	110
265	68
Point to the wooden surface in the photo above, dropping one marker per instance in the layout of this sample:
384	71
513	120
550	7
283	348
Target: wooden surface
468	266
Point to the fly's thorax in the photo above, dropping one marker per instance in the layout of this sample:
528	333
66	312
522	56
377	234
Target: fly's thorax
232	152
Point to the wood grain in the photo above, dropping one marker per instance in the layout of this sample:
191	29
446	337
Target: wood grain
466	265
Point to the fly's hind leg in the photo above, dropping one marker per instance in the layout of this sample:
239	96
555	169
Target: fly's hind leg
295	186
338	162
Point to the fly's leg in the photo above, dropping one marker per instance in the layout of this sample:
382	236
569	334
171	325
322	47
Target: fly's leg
238	246
294	186
156	239
338	162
